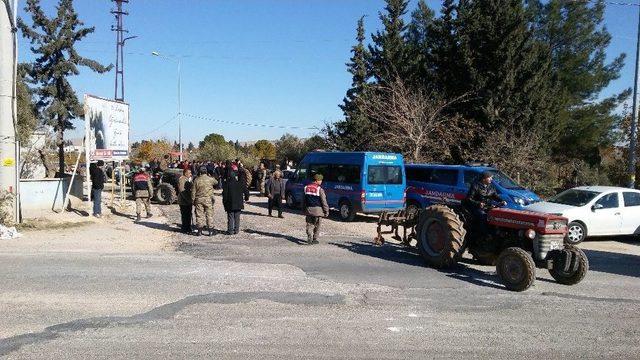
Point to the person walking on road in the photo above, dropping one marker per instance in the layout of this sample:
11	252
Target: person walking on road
202	198
184	200
275	193
315	208
233	199
98	178
261	177
143	191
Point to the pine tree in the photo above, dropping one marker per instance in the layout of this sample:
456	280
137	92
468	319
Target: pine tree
54	42
578	41
351	134
449	74
420	40
389	49
27	113
502	67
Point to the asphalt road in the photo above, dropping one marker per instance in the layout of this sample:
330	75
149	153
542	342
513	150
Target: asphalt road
145	291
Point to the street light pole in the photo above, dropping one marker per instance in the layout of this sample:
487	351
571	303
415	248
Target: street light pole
180	106
634	117
179	62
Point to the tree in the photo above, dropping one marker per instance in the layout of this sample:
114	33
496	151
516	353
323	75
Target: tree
442	47
389	50
27	115
506	71
190	147
420	39
417	125
350	134
289	148
149	150
212	151
214	139
54	42
578	41
316	142
264	149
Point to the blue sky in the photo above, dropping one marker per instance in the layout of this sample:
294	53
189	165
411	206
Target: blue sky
272	62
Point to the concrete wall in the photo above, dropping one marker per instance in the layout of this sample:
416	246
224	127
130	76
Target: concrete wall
39	196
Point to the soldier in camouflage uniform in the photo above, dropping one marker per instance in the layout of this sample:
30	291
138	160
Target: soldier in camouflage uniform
202	196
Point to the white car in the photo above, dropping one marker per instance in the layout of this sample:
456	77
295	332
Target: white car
595	211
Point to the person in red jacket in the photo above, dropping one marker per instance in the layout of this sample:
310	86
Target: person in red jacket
143	192
315	208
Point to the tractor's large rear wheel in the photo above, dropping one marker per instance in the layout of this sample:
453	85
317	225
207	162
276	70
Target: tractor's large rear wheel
166	194
570	266
516	269
440	236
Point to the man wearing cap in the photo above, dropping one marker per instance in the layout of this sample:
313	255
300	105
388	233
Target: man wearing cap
202	198
315	208
479	197
143	191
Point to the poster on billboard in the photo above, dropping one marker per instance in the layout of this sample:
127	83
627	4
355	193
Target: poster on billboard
107	129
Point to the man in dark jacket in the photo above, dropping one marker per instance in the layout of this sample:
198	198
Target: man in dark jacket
314	203
143	192
185	201
233	199
479	199
98	178
275	193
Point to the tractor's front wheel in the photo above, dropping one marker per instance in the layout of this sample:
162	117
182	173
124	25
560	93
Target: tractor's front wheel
440	236
516	269
570	265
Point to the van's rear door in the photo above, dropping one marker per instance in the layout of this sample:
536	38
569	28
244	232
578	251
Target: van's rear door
385	183
395	187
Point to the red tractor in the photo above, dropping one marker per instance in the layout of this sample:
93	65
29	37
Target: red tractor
516	242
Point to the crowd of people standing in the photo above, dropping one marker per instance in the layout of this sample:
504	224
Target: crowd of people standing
195	192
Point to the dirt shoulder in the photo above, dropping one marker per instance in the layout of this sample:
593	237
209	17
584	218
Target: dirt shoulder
75	232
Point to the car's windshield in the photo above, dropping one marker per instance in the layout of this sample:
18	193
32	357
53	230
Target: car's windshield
503	180
574	197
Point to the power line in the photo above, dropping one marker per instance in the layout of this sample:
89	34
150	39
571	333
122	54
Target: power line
250	124
156	129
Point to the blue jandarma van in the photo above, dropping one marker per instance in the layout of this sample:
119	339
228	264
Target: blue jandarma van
428	184
355	182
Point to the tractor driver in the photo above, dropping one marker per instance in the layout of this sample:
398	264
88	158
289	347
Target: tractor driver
479	198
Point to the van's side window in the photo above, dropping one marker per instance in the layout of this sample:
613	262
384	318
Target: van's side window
345	174
302	172
320	169
470	177
422	175
444	177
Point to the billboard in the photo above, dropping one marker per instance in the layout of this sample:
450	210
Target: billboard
107	129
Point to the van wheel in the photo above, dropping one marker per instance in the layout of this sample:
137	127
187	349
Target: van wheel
346	211
291	201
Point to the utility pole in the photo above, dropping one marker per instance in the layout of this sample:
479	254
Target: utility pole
120	41
633	140
179	114
8	66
